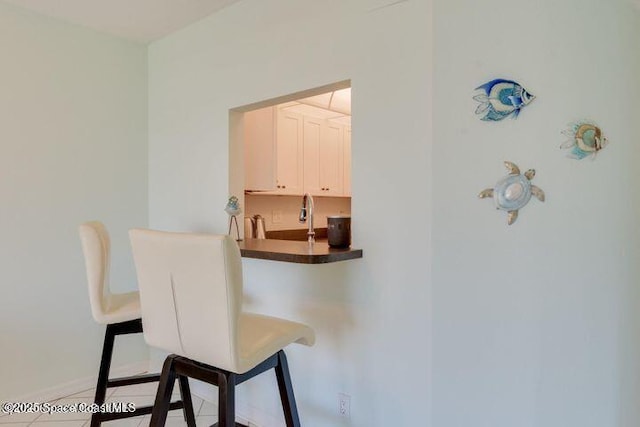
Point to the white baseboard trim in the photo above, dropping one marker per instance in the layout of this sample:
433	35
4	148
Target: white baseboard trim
81	384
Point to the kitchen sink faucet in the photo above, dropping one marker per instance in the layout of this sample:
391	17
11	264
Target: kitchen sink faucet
307	204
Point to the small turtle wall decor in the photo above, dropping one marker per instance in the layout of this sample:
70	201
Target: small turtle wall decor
513	191
584	139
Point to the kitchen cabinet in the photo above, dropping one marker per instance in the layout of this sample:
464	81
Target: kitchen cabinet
273	151
289	153
347	162
323	157
312	130
260	150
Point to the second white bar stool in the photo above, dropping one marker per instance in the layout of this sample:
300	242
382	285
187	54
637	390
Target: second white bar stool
121	315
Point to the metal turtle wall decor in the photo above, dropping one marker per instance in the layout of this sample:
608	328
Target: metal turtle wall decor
584	139
513	192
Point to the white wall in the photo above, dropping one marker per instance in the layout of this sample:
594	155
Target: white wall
532	325
73	138
536	324
372	316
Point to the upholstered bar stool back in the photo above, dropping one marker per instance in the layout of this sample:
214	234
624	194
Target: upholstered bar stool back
121	315
191	297
106	308
191	284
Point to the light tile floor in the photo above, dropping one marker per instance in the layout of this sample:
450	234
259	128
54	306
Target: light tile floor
141	394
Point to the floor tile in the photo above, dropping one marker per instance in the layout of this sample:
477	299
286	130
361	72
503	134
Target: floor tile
91	392
125	422
145	389
66	423
206	420
139	394
139	401
175	422
197	404
18	418
201	421
68	416
149	400
208	408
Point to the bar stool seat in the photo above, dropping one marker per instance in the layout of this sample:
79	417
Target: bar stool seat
121	314
120	308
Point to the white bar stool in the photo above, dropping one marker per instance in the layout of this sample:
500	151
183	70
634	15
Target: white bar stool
121	315
191	295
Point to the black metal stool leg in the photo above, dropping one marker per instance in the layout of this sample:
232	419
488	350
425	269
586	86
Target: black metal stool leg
103	374
104	383
226	400
163	396
185	395
286	391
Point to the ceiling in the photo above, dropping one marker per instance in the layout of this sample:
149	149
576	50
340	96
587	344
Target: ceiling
139	20
334	105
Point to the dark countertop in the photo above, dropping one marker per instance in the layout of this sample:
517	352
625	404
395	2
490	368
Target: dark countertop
294	251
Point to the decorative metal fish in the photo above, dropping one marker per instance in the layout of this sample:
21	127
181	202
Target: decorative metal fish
585	139
500	99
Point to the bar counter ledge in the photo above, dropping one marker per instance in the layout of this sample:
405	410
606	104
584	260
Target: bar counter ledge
295	251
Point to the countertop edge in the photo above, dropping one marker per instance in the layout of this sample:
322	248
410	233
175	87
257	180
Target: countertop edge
282	253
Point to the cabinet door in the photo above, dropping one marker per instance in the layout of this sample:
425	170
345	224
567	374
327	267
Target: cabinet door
312	134
347	162
332	160
259	150
289	154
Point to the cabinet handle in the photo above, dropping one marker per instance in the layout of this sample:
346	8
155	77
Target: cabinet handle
284	186
278	186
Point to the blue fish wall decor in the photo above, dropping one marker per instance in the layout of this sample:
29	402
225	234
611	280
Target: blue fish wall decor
500	99
584	139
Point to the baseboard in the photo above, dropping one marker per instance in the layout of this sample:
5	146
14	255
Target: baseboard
81	384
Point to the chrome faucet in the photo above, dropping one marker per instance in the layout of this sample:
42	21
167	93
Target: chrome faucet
307	205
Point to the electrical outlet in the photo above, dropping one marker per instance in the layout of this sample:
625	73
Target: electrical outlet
276	216
344	405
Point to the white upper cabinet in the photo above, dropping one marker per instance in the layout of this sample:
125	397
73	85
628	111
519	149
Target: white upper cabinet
323	157
273	151
312	136
332	160
260	150
347	161
290	153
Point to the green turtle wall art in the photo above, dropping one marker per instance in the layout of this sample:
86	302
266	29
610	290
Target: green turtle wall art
513	192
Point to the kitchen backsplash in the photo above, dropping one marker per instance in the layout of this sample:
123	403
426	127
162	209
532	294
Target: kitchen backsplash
282	212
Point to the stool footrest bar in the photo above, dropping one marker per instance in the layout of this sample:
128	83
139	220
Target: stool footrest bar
134	379
143	410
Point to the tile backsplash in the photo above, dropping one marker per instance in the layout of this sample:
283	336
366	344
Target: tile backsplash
282	212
